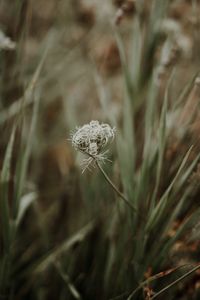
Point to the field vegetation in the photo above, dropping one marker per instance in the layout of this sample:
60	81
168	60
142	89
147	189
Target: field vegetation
128	227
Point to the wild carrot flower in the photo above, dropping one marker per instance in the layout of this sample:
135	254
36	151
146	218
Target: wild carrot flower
91	139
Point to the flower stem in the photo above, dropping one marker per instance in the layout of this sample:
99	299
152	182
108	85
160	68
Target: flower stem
122	196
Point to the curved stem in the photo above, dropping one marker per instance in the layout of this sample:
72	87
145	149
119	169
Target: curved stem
122	196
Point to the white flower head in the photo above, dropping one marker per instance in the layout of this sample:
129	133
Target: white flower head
91	139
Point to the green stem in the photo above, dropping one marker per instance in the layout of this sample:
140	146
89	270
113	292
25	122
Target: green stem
122	196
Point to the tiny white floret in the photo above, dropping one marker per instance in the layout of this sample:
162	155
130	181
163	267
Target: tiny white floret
91	139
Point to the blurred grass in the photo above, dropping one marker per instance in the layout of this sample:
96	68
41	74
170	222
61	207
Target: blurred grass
65	235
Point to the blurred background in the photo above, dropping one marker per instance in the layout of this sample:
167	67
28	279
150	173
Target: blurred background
63	63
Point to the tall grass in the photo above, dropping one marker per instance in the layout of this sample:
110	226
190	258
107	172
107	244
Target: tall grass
67	235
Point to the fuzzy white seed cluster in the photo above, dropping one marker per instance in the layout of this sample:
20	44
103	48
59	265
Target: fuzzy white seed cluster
91	139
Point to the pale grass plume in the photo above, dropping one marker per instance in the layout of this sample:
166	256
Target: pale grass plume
5	42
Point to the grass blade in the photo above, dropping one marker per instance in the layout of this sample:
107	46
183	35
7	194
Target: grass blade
23	162
5	176
159	209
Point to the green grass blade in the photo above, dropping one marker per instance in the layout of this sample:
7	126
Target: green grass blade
66	279
150	148
103	98
5	176
176	282
25	203
23	162
27	98
137	57
126	72
185	92
126	140
162	135
5	215
160	207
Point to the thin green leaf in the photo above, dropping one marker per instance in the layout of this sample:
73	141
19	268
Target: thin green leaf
27	98
126	72
161	144
103	98
5	176
160	207
185	92
175	282
23	162
24	204
67	280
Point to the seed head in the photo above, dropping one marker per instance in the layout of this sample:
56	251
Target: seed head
91	139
